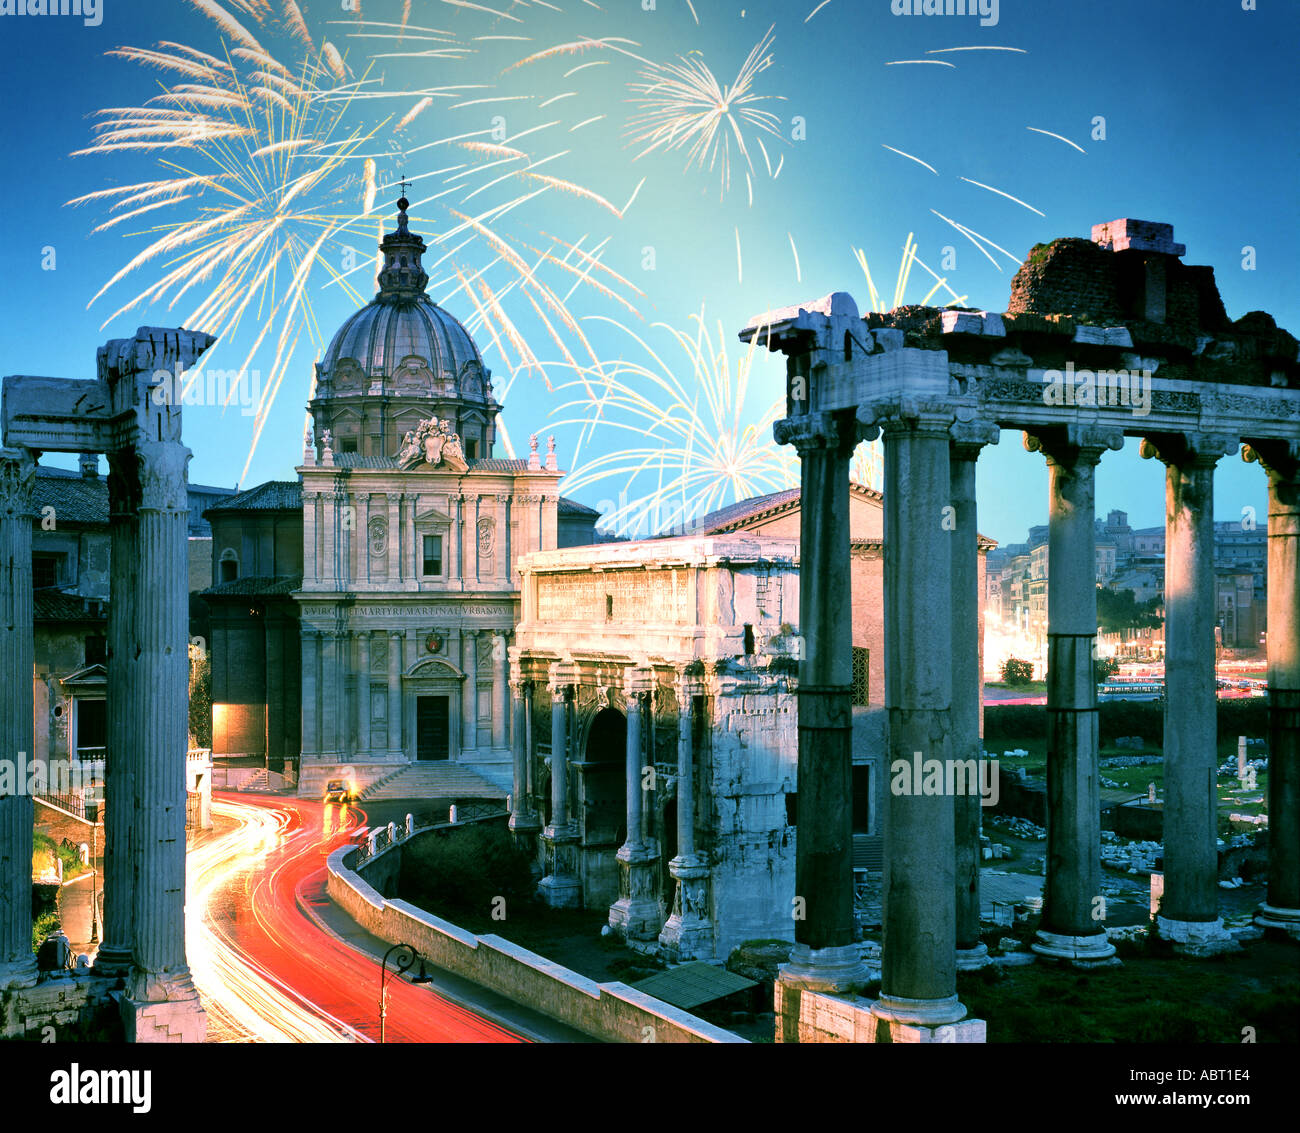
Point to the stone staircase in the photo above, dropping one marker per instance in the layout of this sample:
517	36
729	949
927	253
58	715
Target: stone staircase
432	780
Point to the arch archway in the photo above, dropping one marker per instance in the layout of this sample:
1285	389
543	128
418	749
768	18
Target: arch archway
603	805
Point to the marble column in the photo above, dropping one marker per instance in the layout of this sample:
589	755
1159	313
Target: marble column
114	956
918	974
638	912
17	478
688	932
560	888
825	956
395	696
161	999
1281	907
522	819
469	697
363	695
1073	921
1189	909
500	692
967	680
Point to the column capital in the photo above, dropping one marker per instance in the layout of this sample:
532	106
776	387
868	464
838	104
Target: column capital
819	432
968	438
17	481
561	676
686	687
638	681
1188	450
1072	445
1280	459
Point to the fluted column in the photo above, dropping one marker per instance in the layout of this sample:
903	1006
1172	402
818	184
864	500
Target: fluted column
824	957
1072	926
363	694
500	692
918	976
967	680
114	955
17	477
395	696
160	699
638	912
560	888
688	933
1189	909
1281	908
469	698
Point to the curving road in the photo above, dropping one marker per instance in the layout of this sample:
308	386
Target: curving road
263	955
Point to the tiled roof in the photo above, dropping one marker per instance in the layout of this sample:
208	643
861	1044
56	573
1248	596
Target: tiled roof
727	518
55	606
74	498
274	495
281	585
572	507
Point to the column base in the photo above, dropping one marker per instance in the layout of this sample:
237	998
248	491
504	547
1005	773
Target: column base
559	892
924	1013
638	913
112	963
1197	938
833	970
524	824
972	959
1092	951
561	888
688	933
179	1020
1272	916
18	974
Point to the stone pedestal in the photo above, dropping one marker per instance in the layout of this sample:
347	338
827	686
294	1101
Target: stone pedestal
560	888
17	476
1071	928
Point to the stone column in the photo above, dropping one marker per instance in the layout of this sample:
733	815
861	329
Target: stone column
918	976
500	692
114	956
395	748
638	913
1281	908
1073	925
1189	909
310	684
967	680
469	698
17	478
161	1001
522	819
825	957
560	888
688	932
363	694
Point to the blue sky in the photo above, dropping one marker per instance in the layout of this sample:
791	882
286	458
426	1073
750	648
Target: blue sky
1198	99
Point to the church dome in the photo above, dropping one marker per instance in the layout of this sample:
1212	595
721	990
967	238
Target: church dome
400	361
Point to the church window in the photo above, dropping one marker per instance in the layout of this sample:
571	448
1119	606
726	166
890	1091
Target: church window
471	449
432	555
229	566
349	444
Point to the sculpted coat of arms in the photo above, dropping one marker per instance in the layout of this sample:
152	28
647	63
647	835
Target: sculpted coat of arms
432	443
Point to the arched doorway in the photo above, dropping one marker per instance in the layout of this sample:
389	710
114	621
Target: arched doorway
603	812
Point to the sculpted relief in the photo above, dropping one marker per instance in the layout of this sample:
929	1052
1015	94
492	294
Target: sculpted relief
432	443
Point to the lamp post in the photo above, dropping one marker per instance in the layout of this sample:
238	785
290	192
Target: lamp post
406	956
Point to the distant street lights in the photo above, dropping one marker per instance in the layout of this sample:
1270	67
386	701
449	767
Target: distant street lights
405	958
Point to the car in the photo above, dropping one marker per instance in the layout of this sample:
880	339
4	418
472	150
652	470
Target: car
338	791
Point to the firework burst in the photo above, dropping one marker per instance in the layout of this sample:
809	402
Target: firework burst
270	176
683	106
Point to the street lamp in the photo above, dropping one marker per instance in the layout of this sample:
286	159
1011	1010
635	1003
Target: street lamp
405	958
